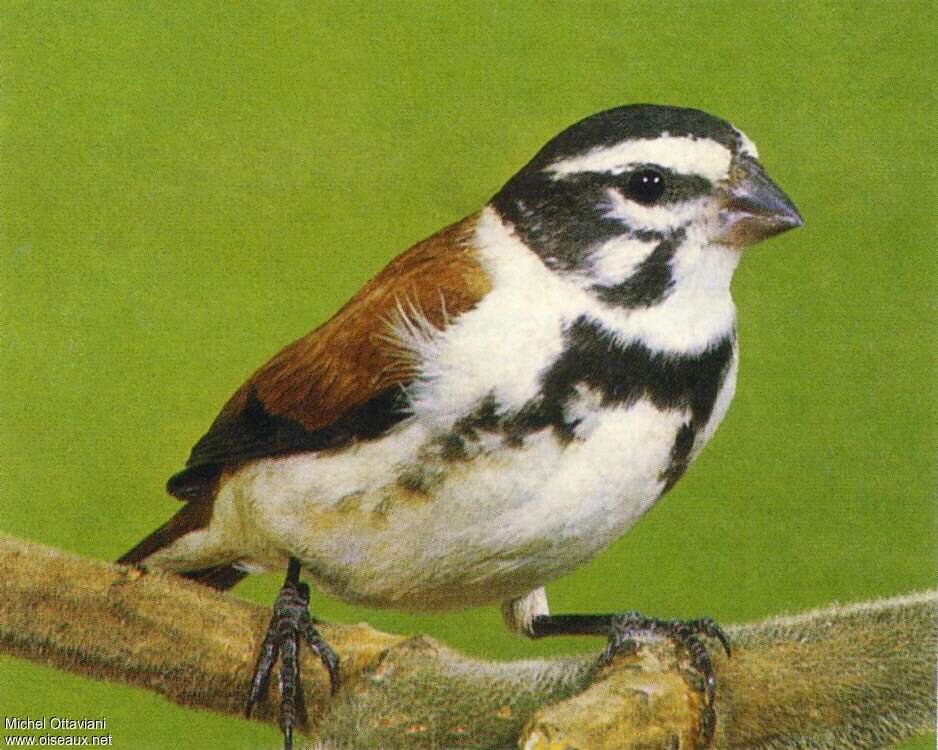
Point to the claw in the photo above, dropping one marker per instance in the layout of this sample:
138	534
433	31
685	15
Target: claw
623	627
288	680
708	725
318	644
322	649
709	627
265	662
290	622
686	634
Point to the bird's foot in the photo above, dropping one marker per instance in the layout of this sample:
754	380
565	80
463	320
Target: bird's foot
290	623
685	633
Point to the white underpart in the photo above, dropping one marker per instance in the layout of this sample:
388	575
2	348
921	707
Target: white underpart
500	527
519	613
584	409
512	518
683	154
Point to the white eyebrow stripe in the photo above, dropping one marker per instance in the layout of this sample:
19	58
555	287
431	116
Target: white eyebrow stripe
747	146
681	154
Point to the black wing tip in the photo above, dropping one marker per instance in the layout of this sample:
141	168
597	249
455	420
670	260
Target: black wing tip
194	482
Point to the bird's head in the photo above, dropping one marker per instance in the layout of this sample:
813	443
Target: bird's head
620	199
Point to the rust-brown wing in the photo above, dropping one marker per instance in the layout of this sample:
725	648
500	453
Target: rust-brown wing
342	381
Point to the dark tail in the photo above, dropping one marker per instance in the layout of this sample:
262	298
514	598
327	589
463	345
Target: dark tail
221	577
191	517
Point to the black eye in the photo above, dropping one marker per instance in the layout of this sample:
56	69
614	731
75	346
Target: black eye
646	186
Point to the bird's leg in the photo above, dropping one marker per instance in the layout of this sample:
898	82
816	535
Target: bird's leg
621	629
290	623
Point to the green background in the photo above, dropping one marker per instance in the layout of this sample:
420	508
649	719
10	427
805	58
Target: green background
187	187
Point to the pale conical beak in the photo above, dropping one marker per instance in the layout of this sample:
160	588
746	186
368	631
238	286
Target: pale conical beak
753	207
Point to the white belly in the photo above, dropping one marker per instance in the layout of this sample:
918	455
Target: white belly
452	532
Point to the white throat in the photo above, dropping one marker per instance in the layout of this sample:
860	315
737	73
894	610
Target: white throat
698	312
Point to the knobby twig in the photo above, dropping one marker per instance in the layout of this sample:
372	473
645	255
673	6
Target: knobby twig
860	676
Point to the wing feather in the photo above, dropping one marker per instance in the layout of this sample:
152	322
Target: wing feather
344	381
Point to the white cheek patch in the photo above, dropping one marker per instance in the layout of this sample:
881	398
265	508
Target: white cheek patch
658	218
681	154
617	259
539	302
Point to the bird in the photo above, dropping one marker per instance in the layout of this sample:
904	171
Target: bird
500	403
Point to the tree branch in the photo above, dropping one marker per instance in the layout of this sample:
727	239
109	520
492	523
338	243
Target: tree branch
860	676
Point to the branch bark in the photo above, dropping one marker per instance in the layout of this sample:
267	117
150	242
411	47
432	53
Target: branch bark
860	676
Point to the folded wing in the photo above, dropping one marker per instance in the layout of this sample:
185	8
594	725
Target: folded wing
345	380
